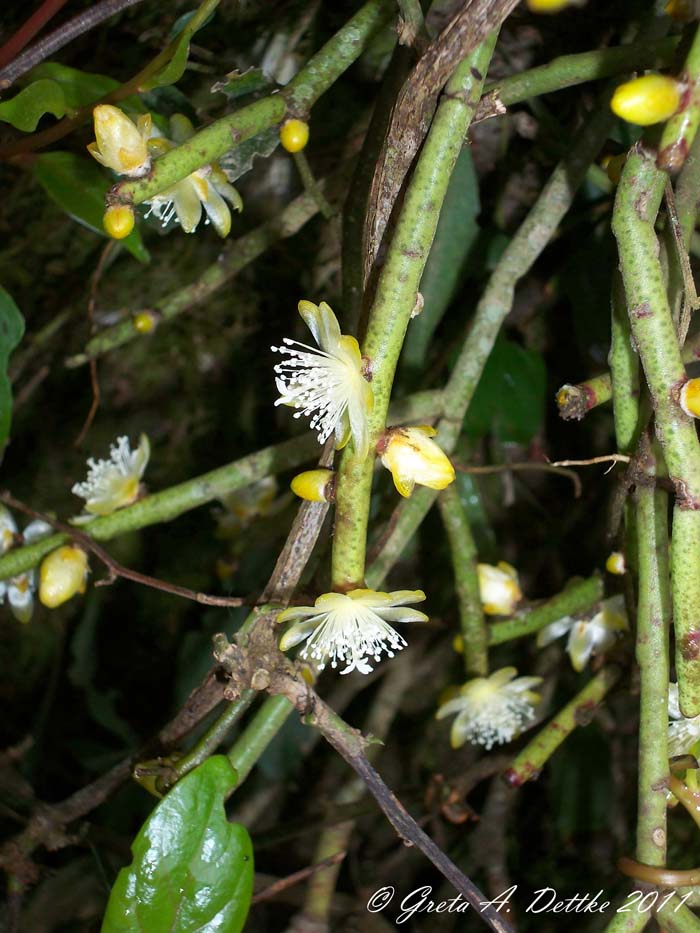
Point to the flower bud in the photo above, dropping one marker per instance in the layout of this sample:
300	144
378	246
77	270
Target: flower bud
615	563
145	322
650	99
294	135
547	6
314	485
121	144
118	221
499	588
412	457
613	166
690	398
62	574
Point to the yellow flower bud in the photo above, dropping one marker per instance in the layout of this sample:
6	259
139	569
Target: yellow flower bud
62	574
499	588
647	100
615	563
314	485
121	144
145	322
613	166
413	458
294	135
690	398
679	10
118	221
547	6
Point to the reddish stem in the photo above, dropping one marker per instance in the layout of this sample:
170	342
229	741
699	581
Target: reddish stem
26	32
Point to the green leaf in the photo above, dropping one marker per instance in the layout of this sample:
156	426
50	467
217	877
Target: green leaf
78	186
82	88
11	331
510	398
456	233
174	70
25	109
192	869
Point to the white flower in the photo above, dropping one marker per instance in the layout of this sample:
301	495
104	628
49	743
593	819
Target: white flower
588	636
351	628
114	483
8	530
491	710
207	187
683	733
19	590
328	383
499	588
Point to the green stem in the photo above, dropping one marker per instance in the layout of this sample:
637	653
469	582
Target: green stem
677	918
533	235
530	761
475	637
295	100
653	619
632	921
575	401
638	198
570	70
175	501
624	372
311	186
212	738
577	597
679	132
395	299
258	734
235	256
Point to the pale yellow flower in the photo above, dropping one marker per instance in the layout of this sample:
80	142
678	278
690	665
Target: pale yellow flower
207	189
114	483
683	732
327	384
491	710
62	574
119	143
412	457
499	588
588	636
351	628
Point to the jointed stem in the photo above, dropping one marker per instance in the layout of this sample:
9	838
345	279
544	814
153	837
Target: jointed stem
395	299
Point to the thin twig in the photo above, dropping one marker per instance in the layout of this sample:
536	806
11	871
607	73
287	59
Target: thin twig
92	301
525	465
606	458
60	37
350	745
28	29
274	889
116	569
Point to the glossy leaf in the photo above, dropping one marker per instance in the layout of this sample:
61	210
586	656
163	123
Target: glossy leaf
78	186
510	398
11	331
192	870
25	109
